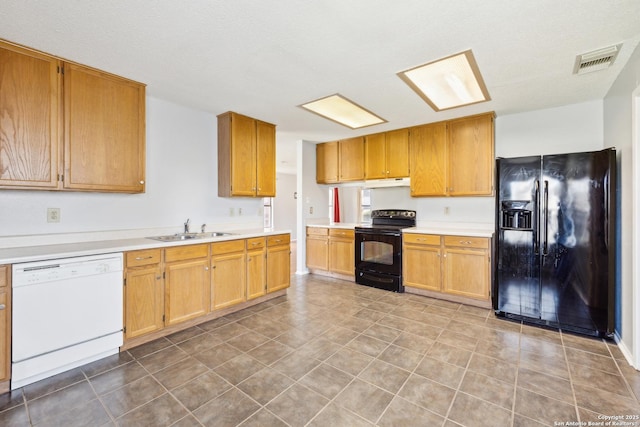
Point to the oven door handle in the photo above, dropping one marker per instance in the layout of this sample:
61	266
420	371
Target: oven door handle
378	233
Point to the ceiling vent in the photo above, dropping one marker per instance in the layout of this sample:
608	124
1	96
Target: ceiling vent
596	60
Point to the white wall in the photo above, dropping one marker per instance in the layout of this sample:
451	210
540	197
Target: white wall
311	197
284	204
618	132
181	175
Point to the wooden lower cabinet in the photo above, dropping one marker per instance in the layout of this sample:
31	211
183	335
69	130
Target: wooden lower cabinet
331	251
143	293
5	325
421	258
318	248
180	284
454	265
256	267
278	262
341	251
229	278
187	281
466	270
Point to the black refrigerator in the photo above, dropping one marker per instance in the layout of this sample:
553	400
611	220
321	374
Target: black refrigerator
555	241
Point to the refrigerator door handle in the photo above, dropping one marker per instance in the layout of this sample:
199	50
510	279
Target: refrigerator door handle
545	244
536	230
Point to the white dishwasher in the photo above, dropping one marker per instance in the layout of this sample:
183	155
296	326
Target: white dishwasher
66	312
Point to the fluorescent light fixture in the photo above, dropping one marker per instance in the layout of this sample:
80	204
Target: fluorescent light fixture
449	82
339	109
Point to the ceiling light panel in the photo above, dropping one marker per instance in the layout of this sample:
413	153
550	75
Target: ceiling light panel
341	110
449	82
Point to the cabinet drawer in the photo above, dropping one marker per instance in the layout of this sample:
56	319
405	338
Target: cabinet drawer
342	232
144	257
4	276
467	242
421	239
317	231
280	239
185	252
227	247
255	243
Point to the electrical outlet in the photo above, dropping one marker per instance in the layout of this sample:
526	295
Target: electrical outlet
446	210
311	209
240	211
53	214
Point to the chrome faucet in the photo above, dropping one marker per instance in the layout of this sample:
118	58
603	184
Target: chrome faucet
186	226
202	227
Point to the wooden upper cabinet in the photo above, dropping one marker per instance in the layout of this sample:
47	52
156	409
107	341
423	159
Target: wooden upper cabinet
428	159
265	159
246	156
453	158
471	156
30	85
397	153
104	130
351	159
101	116
375	166
327	162
387	155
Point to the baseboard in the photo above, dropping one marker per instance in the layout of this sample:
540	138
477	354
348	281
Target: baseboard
624	349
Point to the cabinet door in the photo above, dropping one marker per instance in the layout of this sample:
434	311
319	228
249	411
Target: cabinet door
327	162
243	156
351	159
466	272
341	256
397	153
256	274
186	290
471	158
228	283
143	301
266	159
5	338
30	112
278	268
317	252
375	156
104	131
422	267
5	323
428	160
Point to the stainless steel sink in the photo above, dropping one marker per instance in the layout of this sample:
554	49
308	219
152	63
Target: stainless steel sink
178	237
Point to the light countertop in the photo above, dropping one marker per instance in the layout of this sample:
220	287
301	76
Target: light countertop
448	228
453	229
66	250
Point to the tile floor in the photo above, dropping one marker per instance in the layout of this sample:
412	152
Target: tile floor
332	353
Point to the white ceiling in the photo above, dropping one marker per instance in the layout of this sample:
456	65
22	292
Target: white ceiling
263	58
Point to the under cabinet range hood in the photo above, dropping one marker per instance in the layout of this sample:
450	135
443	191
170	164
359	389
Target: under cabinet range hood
388	182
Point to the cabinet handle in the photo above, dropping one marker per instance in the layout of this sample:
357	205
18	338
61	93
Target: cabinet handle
463	242
141	182
158	277
2	306
140	258
206	269
278	240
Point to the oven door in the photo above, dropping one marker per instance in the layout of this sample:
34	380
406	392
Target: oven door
379	252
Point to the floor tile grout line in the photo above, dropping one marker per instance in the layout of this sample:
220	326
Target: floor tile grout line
573	390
